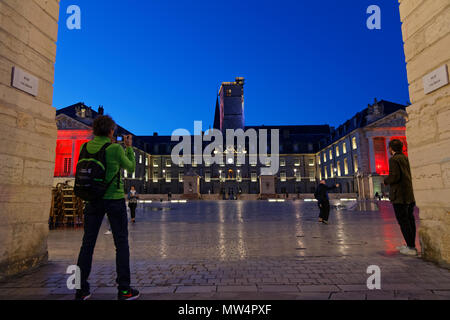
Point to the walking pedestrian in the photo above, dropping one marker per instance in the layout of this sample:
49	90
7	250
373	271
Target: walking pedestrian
322	197
101	158
132	203
401	195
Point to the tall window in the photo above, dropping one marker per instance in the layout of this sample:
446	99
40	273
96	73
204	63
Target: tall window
207	176
283	176
311	162
331	154
180	176
355	163
155	162
344	148
338	168
146	161
168	163
298	176
155	176
140	159
354	145
319	161
345	166
254	177
324	157
67	165
326	173
297	162
282	162
168	176
337	151
312	175
331	170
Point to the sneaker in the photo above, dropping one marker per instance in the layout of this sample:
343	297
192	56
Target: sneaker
401	247
131	294
80	295
409	251
325	222
108	232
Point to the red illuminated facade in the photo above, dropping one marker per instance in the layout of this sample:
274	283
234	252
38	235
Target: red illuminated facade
68	147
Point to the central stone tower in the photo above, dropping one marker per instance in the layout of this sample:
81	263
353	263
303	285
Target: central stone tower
230	106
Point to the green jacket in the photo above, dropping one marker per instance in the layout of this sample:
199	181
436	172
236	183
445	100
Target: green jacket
399	180
116	159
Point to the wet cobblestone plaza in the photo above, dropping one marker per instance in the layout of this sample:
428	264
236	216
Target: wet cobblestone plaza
245	250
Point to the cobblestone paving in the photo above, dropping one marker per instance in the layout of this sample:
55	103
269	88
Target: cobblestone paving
246	250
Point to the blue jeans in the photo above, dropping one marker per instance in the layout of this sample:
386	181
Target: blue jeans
93	217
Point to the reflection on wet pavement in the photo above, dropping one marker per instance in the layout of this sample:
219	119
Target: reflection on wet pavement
239	230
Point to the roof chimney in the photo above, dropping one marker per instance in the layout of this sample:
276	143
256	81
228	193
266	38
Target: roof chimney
101	110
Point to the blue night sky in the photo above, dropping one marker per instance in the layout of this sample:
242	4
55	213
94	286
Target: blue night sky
156	65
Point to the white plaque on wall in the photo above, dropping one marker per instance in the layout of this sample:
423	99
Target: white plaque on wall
436	79
24	81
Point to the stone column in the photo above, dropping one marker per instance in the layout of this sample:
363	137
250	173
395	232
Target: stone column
371	155
28	31
426	34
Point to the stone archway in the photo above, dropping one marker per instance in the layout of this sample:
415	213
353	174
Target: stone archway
28	33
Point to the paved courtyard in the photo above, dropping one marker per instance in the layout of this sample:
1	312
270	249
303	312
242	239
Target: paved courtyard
246	250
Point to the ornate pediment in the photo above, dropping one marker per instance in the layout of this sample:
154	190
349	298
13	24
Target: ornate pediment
64	122
397	119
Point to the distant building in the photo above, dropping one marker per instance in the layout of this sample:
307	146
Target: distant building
354	155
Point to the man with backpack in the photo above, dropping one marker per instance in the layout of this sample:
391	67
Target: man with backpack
321	196
99	183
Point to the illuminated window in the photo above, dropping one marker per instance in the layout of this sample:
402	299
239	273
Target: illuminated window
268	162
168	176
355	163
298	176
253	176
229	93
337	151
155	176
331	170
194	163
140	159
207	176
320	175
168	163
181	164
311	162
331	154
344	148
180	176
146	176
319	161
354	145
345	166
312	175
146	161
297	162
283	176
282	162
338	168
155	162
133	175
326	173
324	157
239	176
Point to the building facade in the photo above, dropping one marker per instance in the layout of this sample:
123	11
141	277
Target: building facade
354	155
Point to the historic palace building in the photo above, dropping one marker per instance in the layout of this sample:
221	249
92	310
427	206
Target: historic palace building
354	155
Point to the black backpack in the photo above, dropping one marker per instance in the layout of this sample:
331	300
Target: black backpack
90	178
